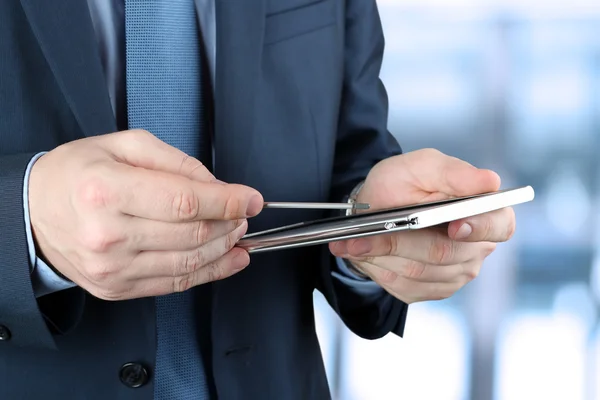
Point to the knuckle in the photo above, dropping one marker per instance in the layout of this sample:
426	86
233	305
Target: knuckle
441	250
99	272
414	270
138	134
98	239
393	245
367	259
181	265
472	273
430	152
387	277
94	193
203	231
182	283
136	138
185	205
488	227
108	294
189	165
233	208
230	240
215	272
189	263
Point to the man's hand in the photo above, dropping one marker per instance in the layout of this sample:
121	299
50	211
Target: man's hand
125	215
434	263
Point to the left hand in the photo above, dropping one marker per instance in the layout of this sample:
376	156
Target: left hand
432	263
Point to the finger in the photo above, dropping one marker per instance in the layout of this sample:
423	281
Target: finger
424	245
496	226
229	264
419	271
165	197
438	172
141	148
145	234
148	264
413	292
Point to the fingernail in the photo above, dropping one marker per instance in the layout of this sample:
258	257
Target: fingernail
339	248
254	206
361	246
463	232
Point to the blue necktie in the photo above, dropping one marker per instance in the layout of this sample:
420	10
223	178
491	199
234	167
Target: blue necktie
164	96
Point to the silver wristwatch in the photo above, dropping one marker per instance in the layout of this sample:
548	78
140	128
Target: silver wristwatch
353	196
352	199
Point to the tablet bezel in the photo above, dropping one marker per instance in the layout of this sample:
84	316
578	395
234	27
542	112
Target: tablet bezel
369	223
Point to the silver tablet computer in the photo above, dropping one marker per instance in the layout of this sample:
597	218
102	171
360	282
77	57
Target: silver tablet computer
383	221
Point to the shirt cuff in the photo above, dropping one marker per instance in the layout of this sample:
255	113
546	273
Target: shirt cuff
358	284
43	278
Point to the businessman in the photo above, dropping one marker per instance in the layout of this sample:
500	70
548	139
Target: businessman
138	141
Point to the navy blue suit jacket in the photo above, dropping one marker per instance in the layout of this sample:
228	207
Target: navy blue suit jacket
299	113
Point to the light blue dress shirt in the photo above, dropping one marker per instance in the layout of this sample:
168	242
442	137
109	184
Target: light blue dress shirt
108	18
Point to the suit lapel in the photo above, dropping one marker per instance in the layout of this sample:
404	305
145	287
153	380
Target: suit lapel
240	30
66	36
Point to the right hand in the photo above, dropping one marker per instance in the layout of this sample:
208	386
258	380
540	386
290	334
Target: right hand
125	215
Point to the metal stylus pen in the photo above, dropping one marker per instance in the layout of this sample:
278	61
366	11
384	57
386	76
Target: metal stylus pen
322	206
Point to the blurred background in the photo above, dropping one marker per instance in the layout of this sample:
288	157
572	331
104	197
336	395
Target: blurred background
513	86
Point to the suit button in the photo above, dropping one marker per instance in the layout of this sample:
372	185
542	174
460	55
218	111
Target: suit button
4	333
133	375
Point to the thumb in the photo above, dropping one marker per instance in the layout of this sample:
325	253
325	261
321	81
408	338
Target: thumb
459	178
140	148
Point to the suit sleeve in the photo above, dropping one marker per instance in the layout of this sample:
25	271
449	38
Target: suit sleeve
362	141
32	321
